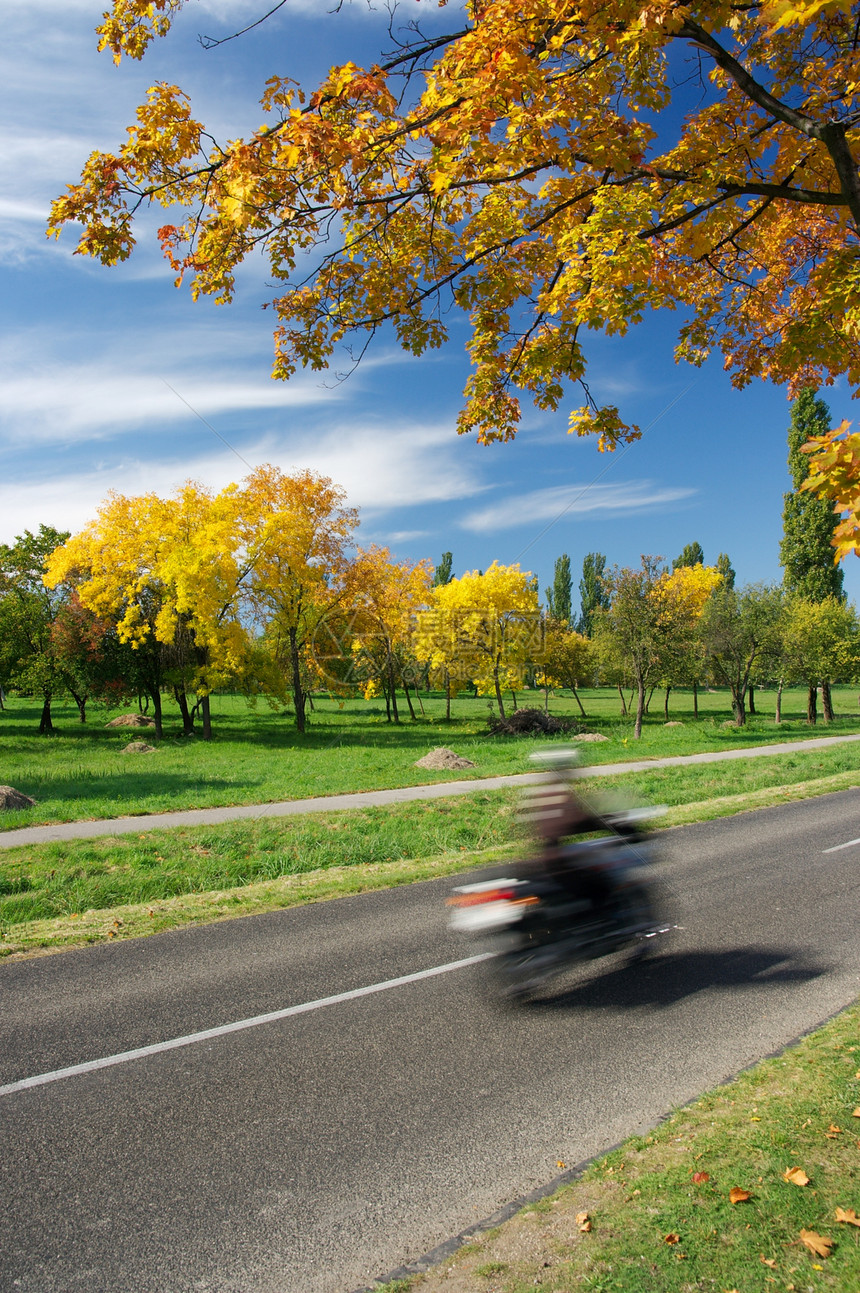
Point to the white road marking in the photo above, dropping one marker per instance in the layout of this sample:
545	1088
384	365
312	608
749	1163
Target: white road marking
126	1057
847	845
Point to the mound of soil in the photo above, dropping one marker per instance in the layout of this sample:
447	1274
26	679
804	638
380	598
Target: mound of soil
138	747
531	722
591	736
131	720
442	759
12	798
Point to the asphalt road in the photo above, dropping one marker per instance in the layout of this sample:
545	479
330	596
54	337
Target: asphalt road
321	1149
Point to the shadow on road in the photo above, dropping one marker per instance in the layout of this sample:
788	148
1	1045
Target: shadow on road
671	977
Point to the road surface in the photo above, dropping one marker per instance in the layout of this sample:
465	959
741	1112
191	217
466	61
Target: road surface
317	1150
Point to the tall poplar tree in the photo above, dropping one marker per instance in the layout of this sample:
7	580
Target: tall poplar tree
593	595
558	598
806	552
690	555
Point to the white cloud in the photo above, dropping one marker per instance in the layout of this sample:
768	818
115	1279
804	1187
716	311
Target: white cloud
381	468
572	501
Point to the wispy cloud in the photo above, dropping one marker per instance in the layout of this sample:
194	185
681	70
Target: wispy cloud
572	501
381	469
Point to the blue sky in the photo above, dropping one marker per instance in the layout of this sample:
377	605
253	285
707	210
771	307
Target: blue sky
99	366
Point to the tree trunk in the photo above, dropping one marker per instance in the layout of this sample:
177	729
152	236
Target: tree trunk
514	698
46	726
206	713
666	704
545	695
739	708
447	696
812	704
392	687
640	710
579	702
155	696
778	712
648	701
187	717
499	700
751	698
298	689
81	702
826	702
623	701
695	701
2	698
412	714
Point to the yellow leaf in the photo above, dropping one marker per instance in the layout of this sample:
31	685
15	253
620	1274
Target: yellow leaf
816	1243
583	1222
856	1113
737	1195
767	1261
848	1216
833	1131
795	1176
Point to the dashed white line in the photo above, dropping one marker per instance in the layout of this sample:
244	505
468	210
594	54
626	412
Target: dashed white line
238	1026
847	845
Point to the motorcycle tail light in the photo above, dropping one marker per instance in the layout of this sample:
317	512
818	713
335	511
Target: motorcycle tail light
482	895
491	895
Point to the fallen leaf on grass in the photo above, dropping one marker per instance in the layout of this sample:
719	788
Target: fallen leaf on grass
671	1238
737	1195
856	1113
795	1176
848	1215
816	1243
833	1131
583	1222
768	1261
700	1177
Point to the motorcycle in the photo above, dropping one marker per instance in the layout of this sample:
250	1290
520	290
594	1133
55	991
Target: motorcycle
598	897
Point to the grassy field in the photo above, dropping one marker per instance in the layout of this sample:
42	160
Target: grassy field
657	1215
83	891
258	757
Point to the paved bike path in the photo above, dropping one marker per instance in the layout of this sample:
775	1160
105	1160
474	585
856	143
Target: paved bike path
87	830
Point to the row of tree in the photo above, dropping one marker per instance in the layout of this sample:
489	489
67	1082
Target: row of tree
260	587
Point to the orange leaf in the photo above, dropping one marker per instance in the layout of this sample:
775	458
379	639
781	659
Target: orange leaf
671	1238
856	1113
848	1215
768	1261
583	1222
737	1195
816	1243
700	1177
833	1131
795	1176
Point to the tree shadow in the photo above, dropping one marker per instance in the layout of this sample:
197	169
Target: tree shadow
673	976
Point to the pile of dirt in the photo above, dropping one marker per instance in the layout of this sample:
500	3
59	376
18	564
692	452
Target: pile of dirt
138	747
131	720
673	724
591	736
11	798
532	722
442	759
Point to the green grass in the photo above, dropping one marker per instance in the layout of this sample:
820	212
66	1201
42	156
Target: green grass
258	757
63	894
656	1229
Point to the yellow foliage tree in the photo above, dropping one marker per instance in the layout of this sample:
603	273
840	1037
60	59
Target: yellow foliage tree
681	596
168	573
387	598
296	538
546	167
485	626
568	658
